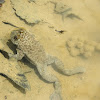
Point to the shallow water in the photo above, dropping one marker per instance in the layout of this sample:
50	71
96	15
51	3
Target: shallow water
82	20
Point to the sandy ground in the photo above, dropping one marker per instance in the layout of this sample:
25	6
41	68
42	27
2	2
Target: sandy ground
84	86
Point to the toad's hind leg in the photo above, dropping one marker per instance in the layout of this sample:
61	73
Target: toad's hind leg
58	65
44	72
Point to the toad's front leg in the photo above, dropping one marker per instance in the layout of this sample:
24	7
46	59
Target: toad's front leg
17	56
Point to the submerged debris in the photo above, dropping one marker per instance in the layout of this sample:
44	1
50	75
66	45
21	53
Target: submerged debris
9	24
72	16
30	11
77	46
61	9
24	10
11	69
64	11
61	31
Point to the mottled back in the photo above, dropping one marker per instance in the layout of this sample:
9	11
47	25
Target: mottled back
26	42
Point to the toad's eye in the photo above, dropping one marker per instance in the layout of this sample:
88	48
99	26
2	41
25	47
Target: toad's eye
15	38
21	31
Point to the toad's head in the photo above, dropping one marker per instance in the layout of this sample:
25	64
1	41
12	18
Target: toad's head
16	35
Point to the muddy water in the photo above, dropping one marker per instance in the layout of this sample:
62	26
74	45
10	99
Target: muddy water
82	20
